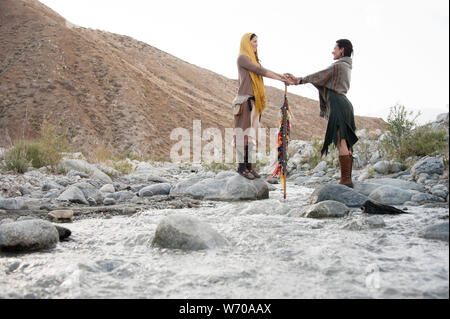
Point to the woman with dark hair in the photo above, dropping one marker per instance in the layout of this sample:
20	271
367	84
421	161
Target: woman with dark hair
249	102
333	83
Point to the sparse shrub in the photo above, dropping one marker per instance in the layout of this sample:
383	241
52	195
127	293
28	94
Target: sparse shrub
424	141
44	151
124	167
218	166
16	158
51	145
101	153
406	139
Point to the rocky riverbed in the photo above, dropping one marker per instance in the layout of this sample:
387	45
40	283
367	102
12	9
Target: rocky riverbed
171	230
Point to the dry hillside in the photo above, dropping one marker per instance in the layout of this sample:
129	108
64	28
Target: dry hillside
108	88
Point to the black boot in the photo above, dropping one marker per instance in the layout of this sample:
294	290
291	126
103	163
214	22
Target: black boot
249	165
242	170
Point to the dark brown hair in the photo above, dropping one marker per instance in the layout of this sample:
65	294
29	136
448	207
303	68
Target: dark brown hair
347	45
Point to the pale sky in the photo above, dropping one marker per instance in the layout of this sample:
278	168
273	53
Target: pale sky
401	46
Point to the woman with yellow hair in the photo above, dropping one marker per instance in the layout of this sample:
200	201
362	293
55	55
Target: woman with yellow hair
249	103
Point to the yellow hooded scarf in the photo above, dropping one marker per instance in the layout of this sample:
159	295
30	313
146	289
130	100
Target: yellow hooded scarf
257	80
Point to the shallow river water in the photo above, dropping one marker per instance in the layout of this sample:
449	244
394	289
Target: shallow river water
270	255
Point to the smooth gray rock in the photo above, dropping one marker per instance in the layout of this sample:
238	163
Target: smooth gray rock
137	188
90	191
365	187
339	193
85	167
425	198
24	191
91	201
108	188
230	187
73	173
390	195
382	167
440	190
157	189
305	167
73	194
322	166
186	233
109	201
387	167
439	231
12	203
121	196
27	235
49	186
326	209
428	165
100	176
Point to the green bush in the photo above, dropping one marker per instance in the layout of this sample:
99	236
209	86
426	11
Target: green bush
16	158
123	167
45	151
424	141
405	138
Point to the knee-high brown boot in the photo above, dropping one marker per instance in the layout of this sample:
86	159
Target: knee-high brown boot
346	163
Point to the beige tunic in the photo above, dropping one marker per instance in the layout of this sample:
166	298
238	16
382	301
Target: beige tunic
248	121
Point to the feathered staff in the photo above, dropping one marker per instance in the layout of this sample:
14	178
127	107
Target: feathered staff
283	141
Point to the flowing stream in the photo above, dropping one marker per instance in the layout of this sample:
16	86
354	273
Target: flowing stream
270	255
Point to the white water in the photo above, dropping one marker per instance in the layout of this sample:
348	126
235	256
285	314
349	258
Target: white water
270	255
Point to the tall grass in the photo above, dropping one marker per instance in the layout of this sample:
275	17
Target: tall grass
43	151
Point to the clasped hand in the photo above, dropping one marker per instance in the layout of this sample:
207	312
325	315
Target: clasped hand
289	79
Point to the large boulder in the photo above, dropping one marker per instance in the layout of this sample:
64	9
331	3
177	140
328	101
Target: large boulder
440	190
73	194
186	233
157	189
28	235
439	231
365	187
390	195
107	188
229	186
326	209
339	193
428	165
386	167
90	191
83	166
12	203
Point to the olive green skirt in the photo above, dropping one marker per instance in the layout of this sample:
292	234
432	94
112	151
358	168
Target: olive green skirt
340	118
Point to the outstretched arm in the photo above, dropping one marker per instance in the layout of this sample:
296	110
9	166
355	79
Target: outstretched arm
245	62
319	78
